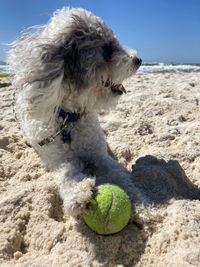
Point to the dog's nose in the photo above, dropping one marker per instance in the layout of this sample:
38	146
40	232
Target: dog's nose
137	61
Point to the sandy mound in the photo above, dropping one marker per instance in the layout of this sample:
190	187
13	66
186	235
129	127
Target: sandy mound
159	117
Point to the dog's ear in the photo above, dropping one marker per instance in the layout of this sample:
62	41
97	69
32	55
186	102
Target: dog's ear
68	55
71	60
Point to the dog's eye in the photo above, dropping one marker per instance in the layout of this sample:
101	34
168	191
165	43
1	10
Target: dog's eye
108	51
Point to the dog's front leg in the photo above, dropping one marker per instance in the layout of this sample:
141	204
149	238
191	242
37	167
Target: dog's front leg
75	187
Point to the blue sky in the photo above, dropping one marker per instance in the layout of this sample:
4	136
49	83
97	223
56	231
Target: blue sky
160	30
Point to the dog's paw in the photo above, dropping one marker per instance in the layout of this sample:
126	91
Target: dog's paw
80	198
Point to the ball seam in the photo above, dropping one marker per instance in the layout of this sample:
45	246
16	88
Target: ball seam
110	209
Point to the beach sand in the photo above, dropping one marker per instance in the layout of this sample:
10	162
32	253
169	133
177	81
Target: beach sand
155	133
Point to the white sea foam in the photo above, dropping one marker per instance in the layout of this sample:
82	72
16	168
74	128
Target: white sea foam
4	69
171	68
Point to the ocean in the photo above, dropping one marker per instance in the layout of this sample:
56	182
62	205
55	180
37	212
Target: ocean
4	69
147	68
168	68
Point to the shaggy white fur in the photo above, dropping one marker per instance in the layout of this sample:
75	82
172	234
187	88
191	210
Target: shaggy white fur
75	63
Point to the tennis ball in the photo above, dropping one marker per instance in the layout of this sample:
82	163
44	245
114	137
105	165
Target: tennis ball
111	212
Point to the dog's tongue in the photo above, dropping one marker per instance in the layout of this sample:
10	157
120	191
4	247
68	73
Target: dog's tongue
121	87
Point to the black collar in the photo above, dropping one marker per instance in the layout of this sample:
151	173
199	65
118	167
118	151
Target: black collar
67	120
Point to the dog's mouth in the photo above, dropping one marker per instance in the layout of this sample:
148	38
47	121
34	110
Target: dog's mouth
118	89
115	88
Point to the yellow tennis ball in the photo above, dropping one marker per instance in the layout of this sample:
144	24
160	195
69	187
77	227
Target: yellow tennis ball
112	210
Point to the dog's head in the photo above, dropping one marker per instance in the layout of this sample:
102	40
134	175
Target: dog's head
90	55
76	51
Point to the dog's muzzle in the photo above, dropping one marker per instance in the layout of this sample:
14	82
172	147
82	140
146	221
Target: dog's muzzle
137	62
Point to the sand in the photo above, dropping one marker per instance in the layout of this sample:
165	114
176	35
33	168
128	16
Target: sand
155	133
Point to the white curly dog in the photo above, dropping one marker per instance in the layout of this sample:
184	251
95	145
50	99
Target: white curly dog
66	72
